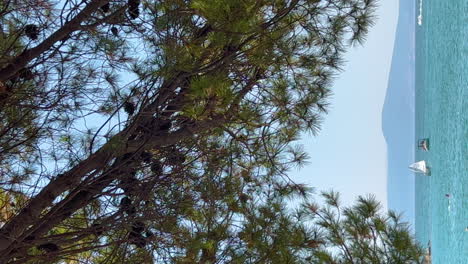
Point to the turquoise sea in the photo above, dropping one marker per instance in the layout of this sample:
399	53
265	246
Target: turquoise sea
442	116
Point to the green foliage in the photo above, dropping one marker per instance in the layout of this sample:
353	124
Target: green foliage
196	172
361	233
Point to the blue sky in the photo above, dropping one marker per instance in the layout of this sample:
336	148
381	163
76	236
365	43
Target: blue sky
350	155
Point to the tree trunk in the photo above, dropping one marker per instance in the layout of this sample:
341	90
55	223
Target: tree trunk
15	229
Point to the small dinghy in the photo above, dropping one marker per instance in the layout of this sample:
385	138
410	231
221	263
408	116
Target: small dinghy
420	167
420	17
424	144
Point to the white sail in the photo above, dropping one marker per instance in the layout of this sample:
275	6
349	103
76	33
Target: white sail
419	167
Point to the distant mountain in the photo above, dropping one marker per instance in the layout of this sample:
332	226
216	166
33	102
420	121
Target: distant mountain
398	115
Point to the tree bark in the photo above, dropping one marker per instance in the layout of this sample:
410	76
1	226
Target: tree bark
26	217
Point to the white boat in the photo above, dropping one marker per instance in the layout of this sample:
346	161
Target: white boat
419	167
420	13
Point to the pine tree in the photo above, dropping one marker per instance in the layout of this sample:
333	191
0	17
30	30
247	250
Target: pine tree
208	80
360	233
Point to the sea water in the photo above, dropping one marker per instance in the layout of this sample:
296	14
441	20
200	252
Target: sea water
442	116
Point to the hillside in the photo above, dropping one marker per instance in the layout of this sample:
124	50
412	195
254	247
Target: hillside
398	114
